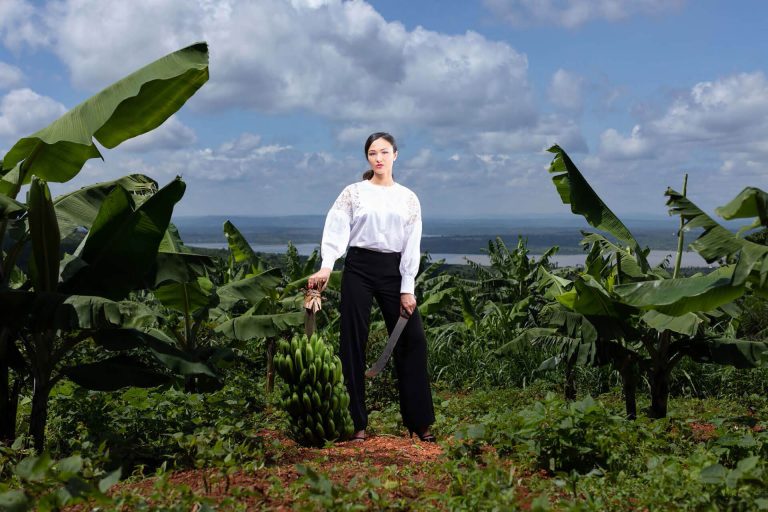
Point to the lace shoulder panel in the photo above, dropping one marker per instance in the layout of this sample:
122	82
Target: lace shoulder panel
414	209
348	201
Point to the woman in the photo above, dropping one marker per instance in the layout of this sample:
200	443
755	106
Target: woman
380	221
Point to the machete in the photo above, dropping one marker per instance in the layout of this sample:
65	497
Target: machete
391	342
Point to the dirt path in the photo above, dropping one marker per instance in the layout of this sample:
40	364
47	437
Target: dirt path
405	469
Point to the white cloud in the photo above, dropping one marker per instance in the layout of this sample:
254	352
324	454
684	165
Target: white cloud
615	146
574	13
565	90
340	60
10	76
550	129
23	112
729	115
717	131
20	24
732	111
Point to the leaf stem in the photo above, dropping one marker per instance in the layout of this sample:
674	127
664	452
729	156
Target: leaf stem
680	235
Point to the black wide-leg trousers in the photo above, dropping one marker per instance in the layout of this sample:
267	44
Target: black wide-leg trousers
368	274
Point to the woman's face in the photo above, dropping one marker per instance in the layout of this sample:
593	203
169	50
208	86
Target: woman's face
381	156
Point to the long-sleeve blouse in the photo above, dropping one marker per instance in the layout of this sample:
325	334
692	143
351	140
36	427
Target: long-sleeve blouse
379	218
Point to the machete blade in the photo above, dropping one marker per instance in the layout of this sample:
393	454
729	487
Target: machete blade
391	342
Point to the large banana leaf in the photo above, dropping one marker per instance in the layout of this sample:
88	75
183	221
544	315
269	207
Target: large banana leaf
247	327
10	208
240	248
161	346
132	106
687	324
115	373
122	244
50	310
44	231
676	297
751	202
576	191
716	242
188	298
78	209
732	352
588	297
437	302
251	289
177	263
628	267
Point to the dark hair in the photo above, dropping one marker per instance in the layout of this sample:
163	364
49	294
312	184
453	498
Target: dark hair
375	136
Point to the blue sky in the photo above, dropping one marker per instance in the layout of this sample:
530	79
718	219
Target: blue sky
637	91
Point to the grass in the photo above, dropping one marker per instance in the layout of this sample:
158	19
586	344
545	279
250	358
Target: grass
503	449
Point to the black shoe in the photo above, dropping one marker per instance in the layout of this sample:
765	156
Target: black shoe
424	436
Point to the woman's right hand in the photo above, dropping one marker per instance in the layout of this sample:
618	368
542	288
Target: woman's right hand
319	280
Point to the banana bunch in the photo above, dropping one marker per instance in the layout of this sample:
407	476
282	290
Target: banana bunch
316	398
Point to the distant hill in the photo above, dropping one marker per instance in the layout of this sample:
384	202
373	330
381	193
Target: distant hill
441	235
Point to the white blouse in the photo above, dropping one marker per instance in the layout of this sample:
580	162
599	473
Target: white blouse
376	217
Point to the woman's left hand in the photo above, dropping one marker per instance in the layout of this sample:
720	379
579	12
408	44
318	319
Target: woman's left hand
407	303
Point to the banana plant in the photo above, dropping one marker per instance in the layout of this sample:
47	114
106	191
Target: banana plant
651	318
273	298
63	307
132	106
184	286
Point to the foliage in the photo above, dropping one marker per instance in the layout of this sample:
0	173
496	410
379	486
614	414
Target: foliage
58	303
621	312
41	483
149	428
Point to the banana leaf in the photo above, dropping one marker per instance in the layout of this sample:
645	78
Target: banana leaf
676	297
161	346
44	231
588	297
115	373
751	202
240	248
716	242
604	248
528	336
10	208
437	302
138	103
574	190
176	263
51	310
687	324
187	298
247	327
122	244
732	352
78	209
251	289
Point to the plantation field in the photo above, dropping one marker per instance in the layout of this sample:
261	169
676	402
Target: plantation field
507	449
138	373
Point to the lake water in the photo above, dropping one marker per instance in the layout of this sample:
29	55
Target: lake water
690	259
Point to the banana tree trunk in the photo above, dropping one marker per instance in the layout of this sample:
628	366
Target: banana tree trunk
7	419
7	406
659	393
570	382
660	371
39	415
628	373
270	364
